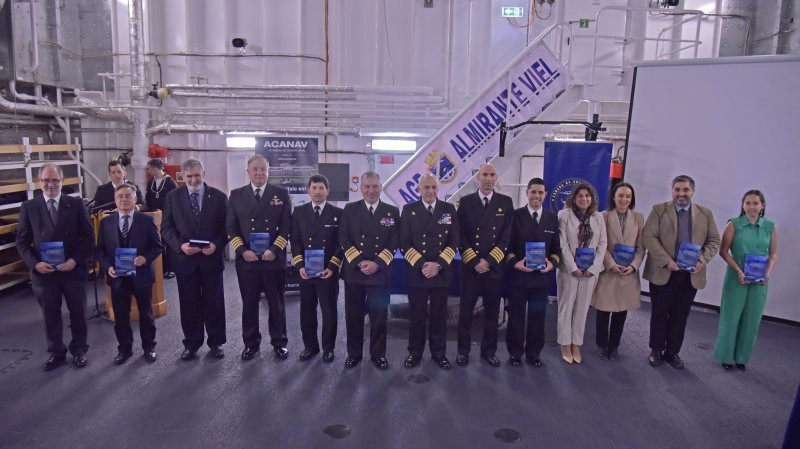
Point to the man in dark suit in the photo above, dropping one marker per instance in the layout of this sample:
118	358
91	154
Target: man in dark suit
315	226
126	228
194	228
104	196
485	219
262	208
368	236
529	287
429	240
157	190
54	217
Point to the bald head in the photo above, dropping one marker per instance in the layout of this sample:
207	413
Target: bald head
487	178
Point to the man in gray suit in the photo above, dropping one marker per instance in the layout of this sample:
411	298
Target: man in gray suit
672	290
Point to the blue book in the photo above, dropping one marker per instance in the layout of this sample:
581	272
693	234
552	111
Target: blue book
315	262
755	268
623	254
688	256
259	243
52	253
123	261
584	258
534	255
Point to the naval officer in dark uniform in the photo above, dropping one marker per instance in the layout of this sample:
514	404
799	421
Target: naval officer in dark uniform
368	237
485	218
315	226
259	207
529	287
429	240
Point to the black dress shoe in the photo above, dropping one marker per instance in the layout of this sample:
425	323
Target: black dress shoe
443	363
381	363
613	354
462	360
352	362
249	353
727	366
53	362
80	361
122	357
150	355
188	354
655	358
169	275
604	353
515	361
281	353
535	362
492	360
411	361
216	351
307	355
327	357
740	366
674	361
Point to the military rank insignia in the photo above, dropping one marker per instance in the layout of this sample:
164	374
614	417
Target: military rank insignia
445	219
275	201
387	221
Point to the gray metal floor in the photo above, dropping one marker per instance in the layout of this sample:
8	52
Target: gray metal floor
287	404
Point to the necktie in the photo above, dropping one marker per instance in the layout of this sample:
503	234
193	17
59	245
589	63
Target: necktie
258	195
536	216
316	211
430	210
485	201
372	210
196	207
125	227
53	210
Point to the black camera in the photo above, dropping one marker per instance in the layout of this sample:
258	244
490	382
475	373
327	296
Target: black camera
239	42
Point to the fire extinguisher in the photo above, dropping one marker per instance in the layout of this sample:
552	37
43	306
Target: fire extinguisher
616	167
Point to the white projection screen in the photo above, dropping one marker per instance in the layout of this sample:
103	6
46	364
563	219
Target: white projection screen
732	124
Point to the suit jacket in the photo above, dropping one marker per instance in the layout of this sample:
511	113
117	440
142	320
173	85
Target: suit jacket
178	227
660	235
615	292
365	236
485	232
105	195
142	235
568	228
310	232
73	228
155	198
272	214
429	238
525	230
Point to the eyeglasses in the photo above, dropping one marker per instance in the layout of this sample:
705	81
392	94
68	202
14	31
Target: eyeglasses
50	180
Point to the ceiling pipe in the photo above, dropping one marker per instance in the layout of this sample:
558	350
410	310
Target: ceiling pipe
167	128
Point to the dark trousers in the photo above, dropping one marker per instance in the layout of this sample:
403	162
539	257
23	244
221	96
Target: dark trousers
202	303
474	285
436	320
671	304
324	292
272	283
519	339
358	301
610	338
49	297
121	302
166	261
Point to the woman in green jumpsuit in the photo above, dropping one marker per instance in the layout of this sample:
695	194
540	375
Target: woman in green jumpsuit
742	301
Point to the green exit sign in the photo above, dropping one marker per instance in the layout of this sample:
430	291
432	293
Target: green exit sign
584	23
512	11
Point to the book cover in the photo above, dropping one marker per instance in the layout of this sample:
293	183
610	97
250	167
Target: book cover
123	261
584	258
623	254
314	262
52	253
202	244
755	268
688	256
259	242
535	255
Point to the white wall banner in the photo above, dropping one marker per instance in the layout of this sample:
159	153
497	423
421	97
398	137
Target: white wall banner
534	81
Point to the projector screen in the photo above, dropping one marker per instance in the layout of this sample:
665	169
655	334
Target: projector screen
732	125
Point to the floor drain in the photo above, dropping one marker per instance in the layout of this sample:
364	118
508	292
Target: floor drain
337	431
507	435
418	378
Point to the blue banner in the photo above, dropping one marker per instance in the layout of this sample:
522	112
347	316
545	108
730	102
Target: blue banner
567	164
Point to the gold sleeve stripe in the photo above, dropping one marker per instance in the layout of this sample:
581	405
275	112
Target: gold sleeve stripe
467	256
510	256
556	258
386	257
351	254
497	254
448	254
297	259
412	256
280	242
236	242
336	261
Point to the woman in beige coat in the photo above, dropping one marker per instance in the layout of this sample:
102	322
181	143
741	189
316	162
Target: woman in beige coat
580	226
618	286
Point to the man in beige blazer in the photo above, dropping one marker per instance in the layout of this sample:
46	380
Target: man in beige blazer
672	290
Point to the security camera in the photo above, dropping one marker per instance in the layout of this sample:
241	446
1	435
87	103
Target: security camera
239	42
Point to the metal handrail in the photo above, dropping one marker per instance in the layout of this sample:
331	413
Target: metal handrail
694	15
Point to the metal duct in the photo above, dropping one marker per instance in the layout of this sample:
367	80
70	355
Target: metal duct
166	128
93	109
138	90
35	109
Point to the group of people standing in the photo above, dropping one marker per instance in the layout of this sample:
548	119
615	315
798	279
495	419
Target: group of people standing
358	244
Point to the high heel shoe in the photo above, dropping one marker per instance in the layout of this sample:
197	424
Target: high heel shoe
576	353
566	353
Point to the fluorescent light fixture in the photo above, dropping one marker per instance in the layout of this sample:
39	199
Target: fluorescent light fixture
241	142
393	134
394	145
248	133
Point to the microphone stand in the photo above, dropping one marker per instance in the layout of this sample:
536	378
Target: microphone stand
93	261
